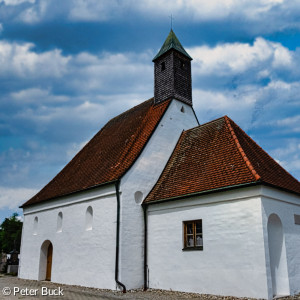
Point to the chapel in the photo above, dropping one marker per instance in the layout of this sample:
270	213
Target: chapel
157	200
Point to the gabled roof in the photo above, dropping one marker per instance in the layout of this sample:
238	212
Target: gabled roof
215	156
108	155
171	42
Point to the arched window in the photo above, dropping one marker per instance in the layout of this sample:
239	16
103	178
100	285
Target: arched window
35	225
89	218
138	197
59	222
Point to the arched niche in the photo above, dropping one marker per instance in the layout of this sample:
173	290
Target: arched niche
35	225
89	218
59	222
278	259
138	197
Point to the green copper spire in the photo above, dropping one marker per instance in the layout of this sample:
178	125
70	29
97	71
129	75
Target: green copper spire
171	42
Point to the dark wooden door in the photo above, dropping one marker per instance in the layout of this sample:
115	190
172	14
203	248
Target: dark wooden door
49	262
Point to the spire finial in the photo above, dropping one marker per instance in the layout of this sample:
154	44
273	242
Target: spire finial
172	18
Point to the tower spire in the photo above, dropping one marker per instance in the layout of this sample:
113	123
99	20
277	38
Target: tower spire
171	17
171	42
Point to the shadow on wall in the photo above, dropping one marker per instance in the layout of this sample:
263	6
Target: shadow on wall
278	259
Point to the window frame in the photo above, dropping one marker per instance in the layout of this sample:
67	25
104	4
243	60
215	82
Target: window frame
194	234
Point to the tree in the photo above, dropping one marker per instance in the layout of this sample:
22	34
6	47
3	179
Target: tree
10	234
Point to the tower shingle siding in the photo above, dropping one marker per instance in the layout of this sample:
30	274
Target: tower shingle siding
172	73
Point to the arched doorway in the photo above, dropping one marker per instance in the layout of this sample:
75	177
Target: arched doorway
46	261
49	262
278	260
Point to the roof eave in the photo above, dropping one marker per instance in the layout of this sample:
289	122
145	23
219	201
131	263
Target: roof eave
71	193
221	189
158	55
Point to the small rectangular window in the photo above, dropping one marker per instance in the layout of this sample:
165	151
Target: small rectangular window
182	64
163	66
193	235
297	219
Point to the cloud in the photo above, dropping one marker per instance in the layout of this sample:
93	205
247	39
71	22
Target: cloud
293	123
12	198
289	155
95	10
52	103
262	16
16	2
214	9
22	61
235	58
34	95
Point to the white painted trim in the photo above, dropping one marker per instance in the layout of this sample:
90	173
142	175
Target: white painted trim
207	199
280	195
254	191
59	204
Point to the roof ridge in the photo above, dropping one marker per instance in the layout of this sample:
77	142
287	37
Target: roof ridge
253	141
204	124
245	158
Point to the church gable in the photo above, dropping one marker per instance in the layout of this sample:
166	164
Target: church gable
108	155
215	156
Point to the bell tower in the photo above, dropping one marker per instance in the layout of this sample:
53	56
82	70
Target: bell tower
172	72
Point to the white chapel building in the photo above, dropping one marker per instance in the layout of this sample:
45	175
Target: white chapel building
156	200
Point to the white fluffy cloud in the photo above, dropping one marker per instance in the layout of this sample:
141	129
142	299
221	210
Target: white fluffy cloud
289	155
16	2
34	95
206	10
274	14
22	61
85	73
12	198
292	123
233	58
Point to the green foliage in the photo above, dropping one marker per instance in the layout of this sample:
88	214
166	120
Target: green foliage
10	234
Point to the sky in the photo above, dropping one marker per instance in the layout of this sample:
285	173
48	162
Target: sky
67	67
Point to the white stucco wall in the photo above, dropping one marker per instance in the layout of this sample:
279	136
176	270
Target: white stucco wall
284	205
142	177
233	258
80	257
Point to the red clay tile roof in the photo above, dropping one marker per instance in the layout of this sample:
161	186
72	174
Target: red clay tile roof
215	155
108	155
